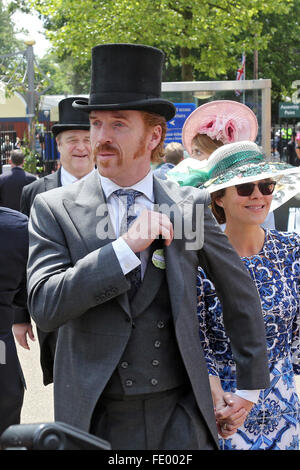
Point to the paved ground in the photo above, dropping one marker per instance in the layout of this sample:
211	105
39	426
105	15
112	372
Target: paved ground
38	401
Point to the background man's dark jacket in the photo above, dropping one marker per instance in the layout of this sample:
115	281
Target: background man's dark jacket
12	183
13	309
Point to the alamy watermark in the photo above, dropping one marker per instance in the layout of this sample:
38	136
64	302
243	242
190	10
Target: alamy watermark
187	220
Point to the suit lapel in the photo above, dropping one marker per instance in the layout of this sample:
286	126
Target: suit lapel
52	181
151	283
164	201
90	216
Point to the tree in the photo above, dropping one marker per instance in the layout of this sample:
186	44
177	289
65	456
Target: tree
11	66
8	41
280	61
202	39
60	74
203	36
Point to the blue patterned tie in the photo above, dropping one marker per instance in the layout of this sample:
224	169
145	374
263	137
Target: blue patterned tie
128	197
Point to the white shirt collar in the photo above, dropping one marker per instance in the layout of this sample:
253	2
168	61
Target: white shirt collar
145	186
68	178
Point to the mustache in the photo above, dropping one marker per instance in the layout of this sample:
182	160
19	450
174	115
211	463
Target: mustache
100	148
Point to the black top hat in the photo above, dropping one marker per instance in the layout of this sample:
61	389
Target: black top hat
70	118
127	76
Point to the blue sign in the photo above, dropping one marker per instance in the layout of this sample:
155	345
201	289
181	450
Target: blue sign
183	110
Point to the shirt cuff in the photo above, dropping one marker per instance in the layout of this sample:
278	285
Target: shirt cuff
250	395
127	259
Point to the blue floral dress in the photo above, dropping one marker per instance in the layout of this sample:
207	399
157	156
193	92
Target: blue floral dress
273	423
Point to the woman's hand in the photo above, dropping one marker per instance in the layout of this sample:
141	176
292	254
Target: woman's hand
232	416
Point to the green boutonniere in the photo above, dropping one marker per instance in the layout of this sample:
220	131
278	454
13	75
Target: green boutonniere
158	259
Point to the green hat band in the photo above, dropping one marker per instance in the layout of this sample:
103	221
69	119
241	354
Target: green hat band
198	177
250	170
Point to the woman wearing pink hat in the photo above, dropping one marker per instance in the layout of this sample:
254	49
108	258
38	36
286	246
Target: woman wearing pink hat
243	187
209	127
217	123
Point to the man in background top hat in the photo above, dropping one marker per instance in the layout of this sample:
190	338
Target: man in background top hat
72	138
119	276
73	142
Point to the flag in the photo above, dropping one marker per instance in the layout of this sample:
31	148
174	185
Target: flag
240	74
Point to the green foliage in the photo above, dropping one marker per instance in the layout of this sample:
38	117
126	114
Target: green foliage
200	36
66	76
31	162
12	58
60	73
281	60
202	39
10	69
8	41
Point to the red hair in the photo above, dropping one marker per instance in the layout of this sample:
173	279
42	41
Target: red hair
152	120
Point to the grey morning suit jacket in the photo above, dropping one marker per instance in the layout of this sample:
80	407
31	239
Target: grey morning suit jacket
75	282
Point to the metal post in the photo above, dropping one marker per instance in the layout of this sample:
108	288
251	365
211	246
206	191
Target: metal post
255	65
266	120
31	92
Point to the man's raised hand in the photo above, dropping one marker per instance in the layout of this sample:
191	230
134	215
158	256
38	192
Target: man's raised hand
146	228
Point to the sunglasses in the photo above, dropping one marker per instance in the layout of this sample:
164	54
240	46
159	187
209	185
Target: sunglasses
246	189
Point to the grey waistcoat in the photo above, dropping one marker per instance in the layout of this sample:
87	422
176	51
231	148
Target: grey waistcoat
151	361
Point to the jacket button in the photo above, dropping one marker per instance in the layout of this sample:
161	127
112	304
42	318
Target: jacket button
157	344
154	382
160	324
128	320
128	383
111	292
155	362
101	298
124	364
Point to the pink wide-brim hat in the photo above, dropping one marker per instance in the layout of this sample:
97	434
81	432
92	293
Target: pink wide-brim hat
224	120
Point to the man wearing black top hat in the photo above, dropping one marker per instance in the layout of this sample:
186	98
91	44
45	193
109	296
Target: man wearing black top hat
73	142
72	138
119	276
